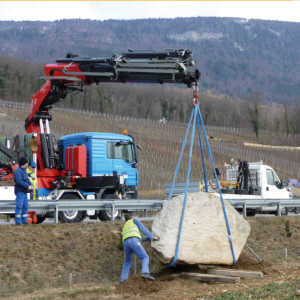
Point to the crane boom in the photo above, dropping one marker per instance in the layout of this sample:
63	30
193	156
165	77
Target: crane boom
72	73
141	66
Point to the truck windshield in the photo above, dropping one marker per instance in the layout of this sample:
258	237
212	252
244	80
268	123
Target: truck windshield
120	151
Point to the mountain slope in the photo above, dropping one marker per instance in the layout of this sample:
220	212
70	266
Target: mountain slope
234	55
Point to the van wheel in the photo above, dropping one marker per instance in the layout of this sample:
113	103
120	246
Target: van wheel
71	216
105	215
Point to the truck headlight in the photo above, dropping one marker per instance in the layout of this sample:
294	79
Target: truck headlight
121	179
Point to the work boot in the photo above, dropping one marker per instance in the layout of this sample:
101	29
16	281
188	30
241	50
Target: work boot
20	224
147	276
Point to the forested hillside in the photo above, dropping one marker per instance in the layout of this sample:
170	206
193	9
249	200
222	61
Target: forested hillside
162	143
235	56
20	79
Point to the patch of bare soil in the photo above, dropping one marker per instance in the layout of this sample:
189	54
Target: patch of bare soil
139	286
246	263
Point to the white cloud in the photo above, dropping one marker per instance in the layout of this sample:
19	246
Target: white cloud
103	10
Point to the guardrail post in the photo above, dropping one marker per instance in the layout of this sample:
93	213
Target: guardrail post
112	212
56	213
279	209
245	210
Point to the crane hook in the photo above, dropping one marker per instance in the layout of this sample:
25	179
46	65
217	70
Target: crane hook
196	93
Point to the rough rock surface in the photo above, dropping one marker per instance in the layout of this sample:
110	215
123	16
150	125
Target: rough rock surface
204	237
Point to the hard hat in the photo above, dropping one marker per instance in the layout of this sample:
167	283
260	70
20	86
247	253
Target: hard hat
33	164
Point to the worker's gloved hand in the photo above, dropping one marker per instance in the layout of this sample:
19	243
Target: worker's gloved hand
156	239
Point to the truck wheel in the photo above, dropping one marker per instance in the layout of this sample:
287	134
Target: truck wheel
105	215
284	211
214	184
70	216
40	220
296	210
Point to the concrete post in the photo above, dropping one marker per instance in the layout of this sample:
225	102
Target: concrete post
285	253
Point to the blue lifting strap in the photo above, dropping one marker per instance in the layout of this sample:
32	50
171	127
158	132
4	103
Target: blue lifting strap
218	183
196	115
186	189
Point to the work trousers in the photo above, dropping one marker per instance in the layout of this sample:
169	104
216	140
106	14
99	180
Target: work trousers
134	245
21	212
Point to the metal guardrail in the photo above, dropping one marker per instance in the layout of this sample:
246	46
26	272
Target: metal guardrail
254	203
134	204
76	204
179	188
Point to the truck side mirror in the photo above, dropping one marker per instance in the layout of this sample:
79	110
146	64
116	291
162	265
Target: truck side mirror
279	184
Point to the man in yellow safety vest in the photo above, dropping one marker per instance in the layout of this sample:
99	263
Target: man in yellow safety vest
132	240
32	218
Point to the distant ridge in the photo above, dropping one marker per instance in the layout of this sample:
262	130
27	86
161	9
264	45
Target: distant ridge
235	55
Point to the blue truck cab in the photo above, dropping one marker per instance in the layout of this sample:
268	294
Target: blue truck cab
107	154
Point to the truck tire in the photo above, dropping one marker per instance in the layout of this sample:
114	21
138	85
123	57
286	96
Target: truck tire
296	210
214	184
71	216
105	215
284	211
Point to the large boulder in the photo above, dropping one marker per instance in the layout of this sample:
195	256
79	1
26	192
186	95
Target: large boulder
204	236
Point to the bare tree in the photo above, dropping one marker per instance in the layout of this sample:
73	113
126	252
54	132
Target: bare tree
253	110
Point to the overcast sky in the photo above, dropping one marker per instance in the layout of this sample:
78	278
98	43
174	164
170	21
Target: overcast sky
103	10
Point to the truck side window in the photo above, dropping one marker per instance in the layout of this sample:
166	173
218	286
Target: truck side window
110	150
270	177
121	152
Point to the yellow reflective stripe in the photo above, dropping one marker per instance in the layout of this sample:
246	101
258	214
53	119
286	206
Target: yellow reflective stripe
130	232
125	232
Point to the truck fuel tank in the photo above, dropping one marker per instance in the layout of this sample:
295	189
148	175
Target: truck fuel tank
75	160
